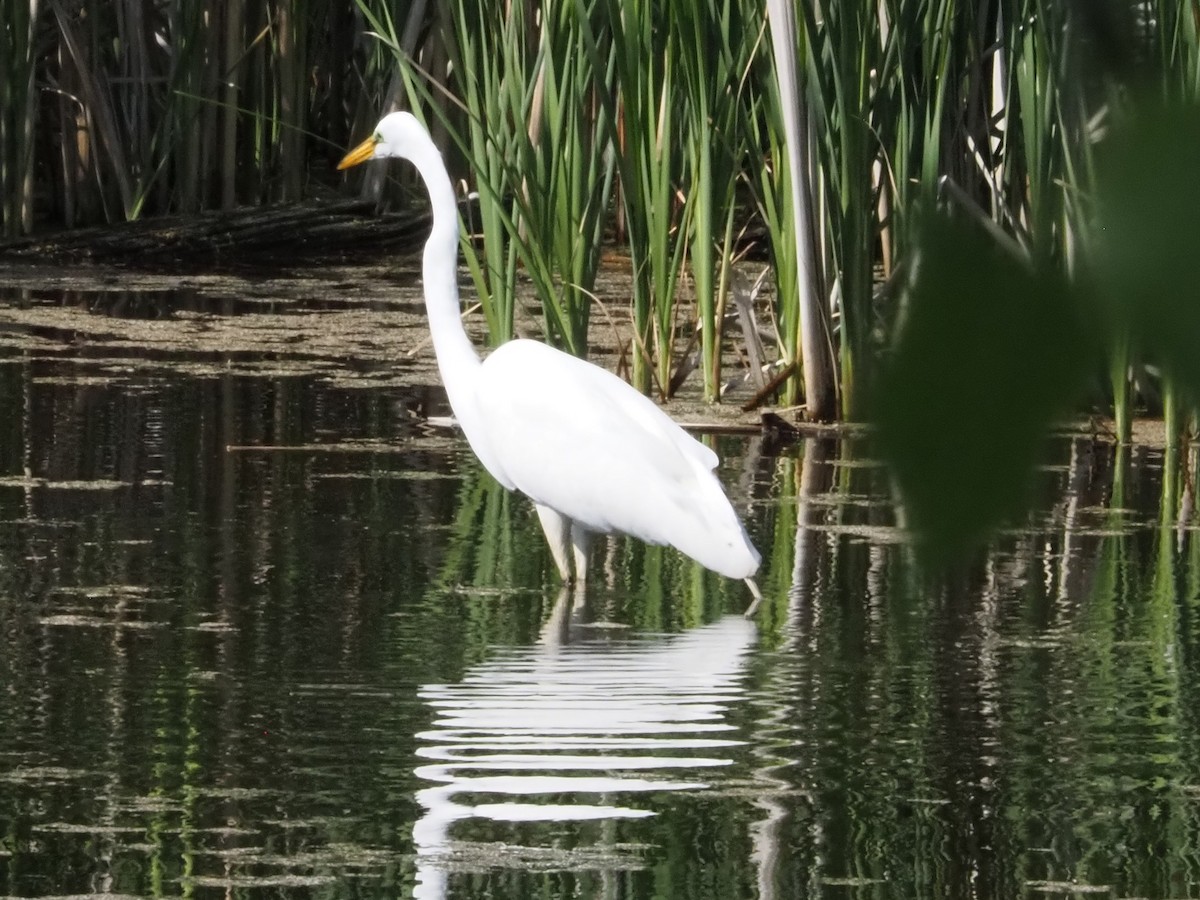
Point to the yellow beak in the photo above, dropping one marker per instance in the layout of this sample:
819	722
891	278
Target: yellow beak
361	153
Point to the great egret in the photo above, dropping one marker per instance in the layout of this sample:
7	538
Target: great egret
592	453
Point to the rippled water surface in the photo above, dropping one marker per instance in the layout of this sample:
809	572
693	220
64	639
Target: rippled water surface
264	633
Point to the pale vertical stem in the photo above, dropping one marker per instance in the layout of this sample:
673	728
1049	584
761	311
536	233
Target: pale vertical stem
24	203
879	172
819	392
73	147
1122	398
291	99
184	148
703	262
1173	427
284	91
534	126
210	121
999	113
231	99
720	303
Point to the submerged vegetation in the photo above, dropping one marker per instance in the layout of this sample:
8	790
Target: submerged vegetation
819	137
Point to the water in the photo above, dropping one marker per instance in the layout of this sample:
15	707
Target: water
262	631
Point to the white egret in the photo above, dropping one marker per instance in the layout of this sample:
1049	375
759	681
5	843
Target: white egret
593	454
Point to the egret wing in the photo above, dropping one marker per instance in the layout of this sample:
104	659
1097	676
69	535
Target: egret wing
577	438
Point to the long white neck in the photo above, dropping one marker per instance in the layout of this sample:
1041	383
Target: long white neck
457	360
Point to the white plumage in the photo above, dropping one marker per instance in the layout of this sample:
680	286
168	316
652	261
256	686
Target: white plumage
592	453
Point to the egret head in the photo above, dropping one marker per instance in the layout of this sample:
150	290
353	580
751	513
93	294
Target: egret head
392	137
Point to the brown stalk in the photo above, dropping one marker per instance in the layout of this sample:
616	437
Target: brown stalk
97	104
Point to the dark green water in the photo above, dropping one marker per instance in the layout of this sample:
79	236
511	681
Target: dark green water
235	661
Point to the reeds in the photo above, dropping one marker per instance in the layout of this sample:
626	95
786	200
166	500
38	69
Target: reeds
715	44
664	126
649	157
120	109
17	105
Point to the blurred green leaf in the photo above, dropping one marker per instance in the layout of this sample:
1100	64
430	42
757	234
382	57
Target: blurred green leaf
990	354
1148	262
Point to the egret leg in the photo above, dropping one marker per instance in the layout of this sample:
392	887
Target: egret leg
558	535
753	607
581	542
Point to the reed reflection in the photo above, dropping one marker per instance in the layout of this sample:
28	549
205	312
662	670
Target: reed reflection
776	729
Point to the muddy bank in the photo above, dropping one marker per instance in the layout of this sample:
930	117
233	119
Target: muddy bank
355	325
311	232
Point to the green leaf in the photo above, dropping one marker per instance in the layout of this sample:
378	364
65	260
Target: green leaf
1148	259
990	354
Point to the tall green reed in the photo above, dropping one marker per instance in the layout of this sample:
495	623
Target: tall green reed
714	42
645	119
915	80
843	54
1068	88
711	70
523	115
557	107
569	175
491	61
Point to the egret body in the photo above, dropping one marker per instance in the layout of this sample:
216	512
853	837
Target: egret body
593	454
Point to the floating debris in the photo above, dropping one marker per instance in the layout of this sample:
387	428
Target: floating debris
97	622
97	484
76	828
479	856
876	534
1067	887
47	774
257	881
105	591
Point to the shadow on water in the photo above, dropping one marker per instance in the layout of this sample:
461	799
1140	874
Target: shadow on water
263	631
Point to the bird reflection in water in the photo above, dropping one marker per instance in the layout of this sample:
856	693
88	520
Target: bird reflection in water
580	727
